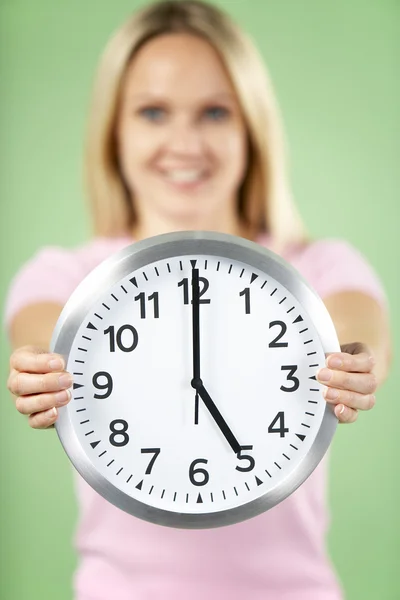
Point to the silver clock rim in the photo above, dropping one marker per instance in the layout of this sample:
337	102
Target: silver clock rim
140	254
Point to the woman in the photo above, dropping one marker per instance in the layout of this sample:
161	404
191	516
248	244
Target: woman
184	134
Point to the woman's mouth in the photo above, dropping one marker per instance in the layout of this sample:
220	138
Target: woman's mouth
185	179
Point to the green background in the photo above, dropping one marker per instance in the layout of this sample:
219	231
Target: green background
334	69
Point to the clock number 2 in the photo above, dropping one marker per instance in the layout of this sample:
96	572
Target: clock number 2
275	343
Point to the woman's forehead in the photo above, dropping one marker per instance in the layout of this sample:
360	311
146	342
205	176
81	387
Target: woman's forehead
179	63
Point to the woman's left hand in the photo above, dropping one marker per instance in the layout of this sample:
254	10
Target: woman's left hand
349	380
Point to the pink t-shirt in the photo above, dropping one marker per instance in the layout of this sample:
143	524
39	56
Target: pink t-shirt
279	555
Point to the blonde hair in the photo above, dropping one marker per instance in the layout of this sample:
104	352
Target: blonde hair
265	202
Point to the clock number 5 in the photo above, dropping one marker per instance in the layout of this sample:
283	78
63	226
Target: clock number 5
251	460
296	383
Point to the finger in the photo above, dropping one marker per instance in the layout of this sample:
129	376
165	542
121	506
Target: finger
356	363
22	384
28	405
346	414
363	383
350	399
31	359
42	420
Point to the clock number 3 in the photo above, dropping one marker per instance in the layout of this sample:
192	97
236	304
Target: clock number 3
296	383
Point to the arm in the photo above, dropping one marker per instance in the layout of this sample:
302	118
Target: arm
359	318
34	324
362	326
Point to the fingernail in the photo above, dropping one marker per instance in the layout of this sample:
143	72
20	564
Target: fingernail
341	411
56	364
62	397
331	394
65	380
51	413
325	375
335	362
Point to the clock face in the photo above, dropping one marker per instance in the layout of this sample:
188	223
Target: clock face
195	401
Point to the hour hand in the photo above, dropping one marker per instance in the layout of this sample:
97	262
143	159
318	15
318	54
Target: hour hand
218	418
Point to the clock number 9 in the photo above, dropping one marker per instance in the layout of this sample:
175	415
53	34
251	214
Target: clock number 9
118	338
202	472
108	386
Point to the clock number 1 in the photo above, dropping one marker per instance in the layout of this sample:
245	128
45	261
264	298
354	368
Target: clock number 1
246	294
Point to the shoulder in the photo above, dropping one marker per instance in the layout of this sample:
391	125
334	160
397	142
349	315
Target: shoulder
53	272
333	265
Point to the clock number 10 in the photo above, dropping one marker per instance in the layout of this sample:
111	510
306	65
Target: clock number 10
127	342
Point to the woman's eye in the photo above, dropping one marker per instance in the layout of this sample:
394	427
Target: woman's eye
152	113
216	113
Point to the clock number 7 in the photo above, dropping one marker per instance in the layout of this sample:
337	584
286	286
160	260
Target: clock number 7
156	452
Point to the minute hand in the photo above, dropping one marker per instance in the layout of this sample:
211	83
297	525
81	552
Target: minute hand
218	418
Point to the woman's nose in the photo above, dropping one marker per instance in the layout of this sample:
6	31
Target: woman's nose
184	137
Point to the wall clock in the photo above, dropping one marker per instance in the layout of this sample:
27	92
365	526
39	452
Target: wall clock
195	402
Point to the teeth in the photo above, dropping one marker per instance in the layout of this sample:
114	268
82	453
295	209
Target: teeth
184	175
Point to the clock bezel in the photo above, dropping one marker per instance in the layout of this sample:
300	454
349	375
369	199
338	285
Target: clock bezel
141	254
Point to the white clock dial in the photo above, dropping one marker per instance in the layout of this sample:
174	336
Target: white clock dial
201	445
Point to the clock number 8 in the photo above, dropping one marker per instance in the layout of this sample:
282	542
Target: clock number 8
119	432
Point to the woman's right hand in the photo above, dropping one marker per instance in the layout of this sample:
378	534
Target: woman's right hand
40	383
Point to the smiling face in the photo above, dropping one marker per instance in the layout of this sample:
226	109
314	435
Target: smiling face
182	141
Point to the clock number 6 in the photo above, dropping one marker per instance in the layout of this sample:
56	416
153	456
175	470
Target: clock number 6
202	472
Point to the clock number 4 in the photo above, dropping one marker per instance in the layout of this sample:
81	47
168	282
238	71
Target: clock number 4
126	343
281	429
